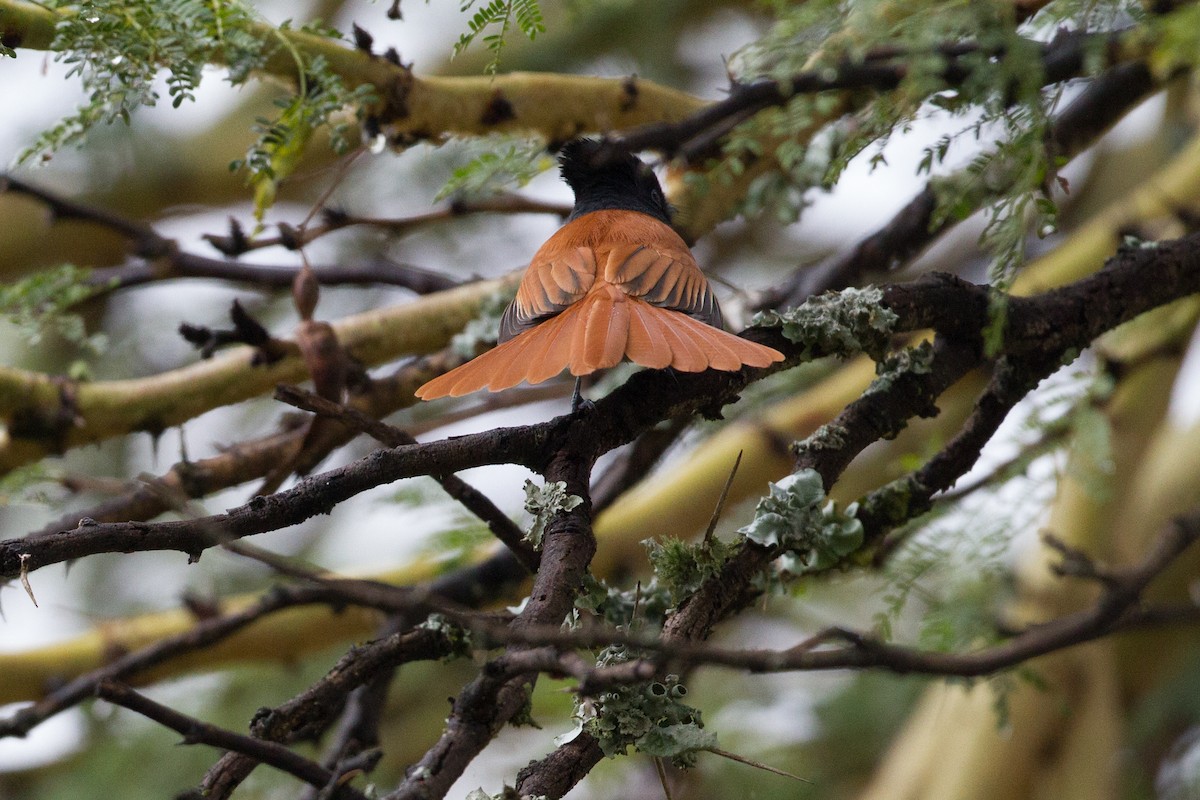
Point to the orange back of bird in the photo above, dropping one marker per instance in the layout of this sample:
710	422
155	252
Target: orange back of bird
608	285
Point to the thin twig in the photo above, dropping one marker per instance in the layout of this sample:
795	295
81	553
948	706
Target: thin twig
716	515
296	237
472	499
195	731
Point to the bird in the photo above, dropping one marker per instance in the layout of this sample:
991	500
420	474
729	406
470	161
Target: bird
614	282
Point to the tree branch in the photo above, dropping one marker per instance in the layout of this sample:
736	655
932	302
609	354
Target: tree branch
307	715
195	731
205	633
48	413
472	499
1105	101
1047	326
416	107
1115	610
295	238
911	496
694	137
162	259
496	695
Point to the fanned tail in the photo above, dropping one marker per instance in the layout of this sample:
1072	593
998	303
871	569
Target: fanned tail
723	351
596	333
506	365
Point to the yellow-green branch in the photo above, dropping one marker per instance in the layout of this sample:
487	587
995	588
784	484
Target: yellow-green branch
48	412
413	106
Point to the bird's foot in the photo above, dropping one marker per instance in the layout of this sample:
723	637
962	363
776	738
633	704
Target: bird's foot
578	401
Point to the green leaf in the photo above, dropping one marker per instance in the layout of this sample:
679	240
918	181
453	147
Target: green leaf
41	304
502	13
118	49
26	485
501	162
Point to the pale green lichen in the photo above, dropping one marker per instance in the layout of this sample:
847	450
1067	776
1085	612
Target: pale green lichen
507	793
650	717
797	517
896	502
458	638
826	437
844	323
543	502
909	361
644	605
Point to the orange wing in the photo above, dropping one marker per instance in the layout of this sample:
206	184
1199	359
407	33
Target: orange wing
607	286
549	287
633	251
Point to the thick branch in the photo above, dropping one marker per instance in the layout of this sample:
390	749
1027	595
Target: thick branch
883	412
1047	326
313	496
203	634
414	107
912	496
693	137
496	695
48	413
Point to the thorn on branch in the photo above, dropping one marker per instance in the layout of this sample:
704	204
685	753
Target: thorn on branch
233	245
324	358
716	515
335	215
25	578
1076	563
202	607
306	291
716	751
291	237
830	635
629	91
363	40
246	330
392	56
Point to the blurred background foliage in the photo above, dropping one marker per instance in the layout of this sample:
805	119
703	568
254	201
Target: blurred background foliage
1103	454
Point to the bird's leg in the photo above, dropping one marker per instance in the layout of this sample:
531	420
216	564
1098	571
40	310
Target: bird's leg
578	401
577	395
